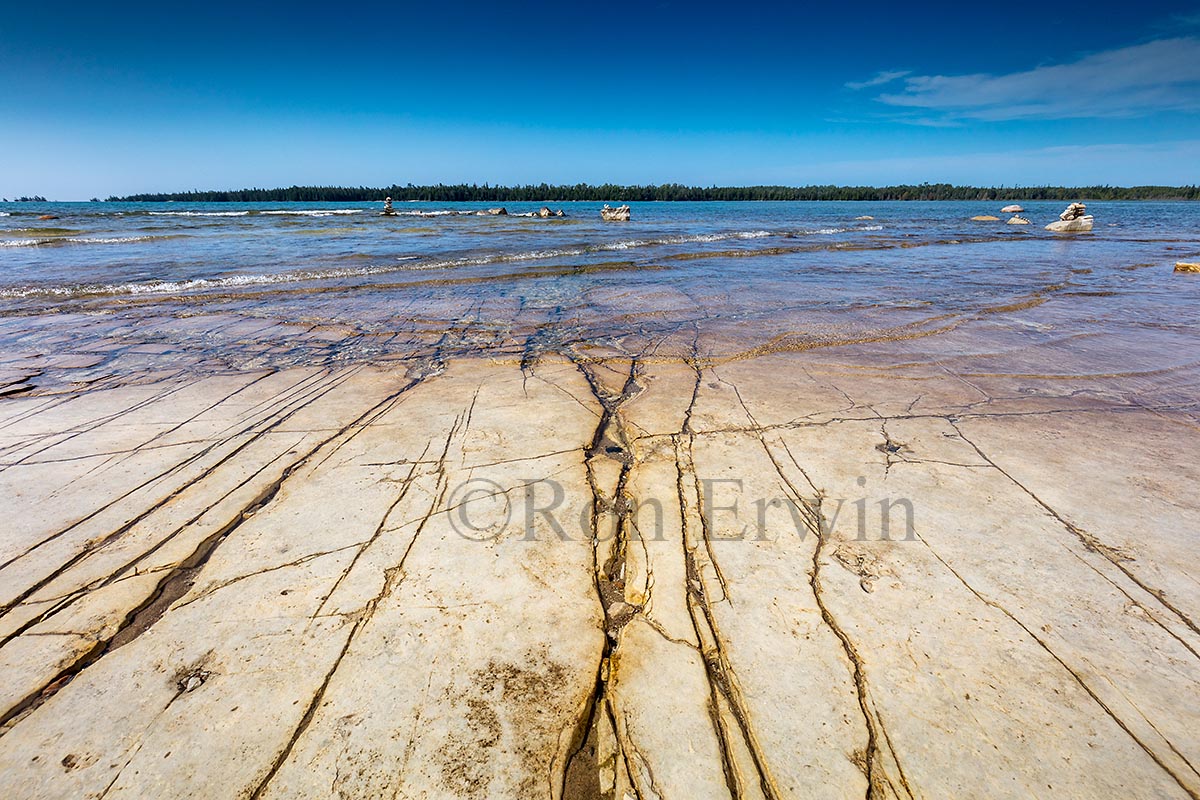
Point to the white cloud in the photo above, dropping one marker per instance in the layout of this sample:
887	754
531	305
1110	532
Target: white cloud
887	76
1162	75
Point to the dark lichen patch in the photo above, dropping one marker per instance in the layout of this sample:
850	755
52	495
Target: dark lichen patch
467	760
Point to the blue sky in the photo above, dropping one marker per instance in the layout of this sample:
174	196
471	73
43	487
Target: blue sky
162	96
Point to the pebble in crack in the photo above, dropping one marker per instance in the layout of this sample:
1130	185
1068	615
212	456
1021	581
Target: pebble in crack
618	616
192	680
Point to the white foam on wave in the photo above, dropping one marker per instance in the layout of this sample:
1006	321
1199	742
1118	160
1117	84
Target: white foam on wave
110	239
60	240
4	214
831	231
720	237
151	287
199	213
315	212
700	238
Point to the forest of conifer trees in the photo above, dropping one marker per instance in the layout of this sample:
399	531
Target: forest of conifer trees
672	191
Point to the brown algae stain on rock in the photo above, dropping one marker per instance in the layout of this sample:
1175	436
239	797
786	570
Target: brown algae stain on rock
528	694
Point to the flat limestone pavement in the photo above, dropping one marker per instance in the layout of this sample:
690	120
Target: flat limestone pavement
598	577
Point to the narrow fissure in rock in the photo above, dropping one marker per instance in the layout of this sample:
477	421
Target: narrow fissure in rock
591	769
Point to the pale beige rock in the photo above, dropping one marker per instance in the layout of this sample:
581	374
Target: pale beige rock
1074	219
1183	266
618	214
1074	225
1018	221
1013	209
1073	211
321	583
985	218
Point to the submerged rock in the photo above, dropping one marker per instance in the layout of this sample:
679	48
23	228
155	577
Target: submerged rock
618	214
1183	266
863	217
48	216
1013	209
496	212
1018	221
985	218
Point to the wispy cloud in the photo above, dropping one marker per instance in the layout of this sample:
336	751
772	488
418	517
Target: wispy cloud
1178	23
880	79
1162	75
1123	164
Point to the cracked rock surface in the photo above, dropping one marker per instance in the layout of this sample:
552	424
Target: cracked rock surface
614	571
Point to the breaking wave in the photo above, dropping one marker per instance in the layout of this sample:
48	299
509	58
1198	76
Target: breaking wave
198	213
60	240
315	213
281	212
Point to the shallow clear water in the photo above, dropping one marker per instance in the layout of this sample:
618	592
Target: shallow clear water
336	281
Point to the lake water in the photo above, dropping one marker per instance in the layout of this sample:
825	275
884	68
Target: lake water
233	285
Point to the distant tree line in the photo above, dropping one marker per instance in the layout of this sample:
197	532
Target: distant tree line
669	191
34	199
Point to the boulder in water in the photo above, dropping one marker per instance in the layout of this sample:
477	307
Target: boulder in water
985	218
1077	225
1183	266
1013	209
48	216
863	217
1018	221
545	212
618	214
1074	219
496	212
